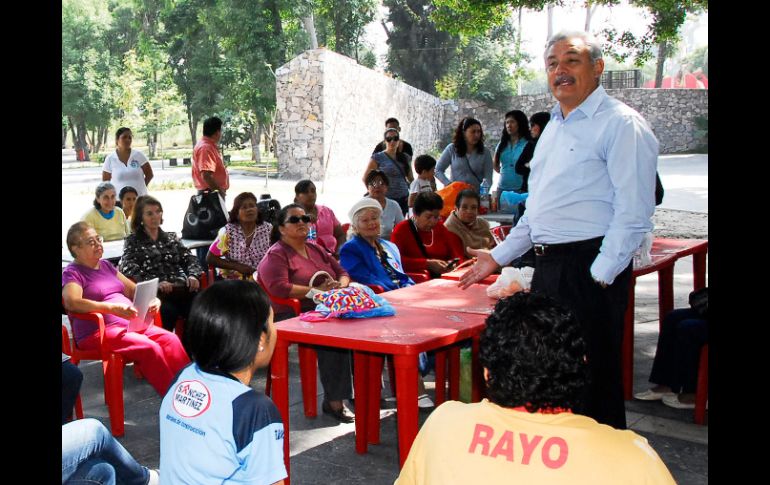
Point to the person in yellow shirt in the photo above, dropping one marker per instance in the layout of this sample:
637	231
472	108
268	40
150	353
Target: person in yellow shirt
108	219
533	354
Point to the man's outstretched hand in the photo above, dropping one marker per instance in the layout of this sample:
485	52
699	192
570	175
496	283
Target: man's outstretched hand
483	267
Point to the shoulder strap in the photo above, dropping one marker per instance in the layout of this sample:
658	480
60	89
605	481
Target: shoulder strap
471	169
417	238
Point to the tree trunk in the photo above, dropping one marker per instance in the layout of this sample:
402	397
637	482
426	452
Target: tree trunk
256	134
152	140
278	32
72	130
192	124
309	25
63	137
550	21
662	53
590	10
81	143
518	55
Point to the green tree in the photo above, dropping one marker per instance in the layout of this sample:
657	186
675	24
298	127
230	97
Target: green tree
196	60
418	52
343	24
483	69
87	70
698	59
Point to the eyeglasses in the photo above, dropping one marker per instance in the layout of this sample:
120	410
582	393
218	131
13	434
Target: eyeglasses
376	183
391	138
296	219
93	242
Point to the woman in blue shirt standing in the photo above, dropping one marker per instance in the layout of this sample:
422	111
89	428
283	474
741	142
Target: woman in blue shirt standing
513	152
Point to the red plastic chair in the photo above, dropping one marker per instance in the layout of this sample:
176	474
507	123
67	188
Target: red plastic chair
500	233
419	276
307	360
345	227
67	349
112	368
702	391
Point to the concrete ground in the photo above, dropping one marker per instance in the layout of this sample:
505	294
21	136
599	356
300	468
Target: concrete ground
322	447
322	450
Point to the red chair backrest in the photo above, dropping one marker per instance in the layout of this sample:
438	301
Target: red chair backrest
293	303
500	233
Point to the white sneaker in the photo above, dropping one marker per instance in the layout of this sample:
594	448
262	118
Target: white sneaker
424	402
650	395
154	477
674	402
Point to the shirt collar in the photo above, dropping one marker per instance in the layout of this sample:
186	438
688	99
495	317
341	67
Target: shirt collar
588	107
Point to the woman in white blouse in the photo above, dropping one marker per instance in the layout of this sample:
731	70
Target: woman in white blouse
126	166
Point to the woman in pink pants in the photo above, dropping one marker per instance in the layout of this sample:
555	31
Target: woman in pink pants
90	284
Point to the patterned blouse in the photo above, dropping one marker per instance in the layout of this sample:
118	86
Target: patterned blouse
166	259
230	244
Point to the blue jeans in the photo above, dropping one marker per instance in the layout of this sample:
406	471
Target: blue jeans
91	455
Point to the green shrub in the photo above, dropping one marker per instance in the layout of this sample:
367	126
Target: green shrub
702	133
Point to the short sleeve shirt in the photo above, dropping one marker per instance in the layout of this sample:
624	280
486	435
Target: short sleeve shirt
206	157
215	430
126	174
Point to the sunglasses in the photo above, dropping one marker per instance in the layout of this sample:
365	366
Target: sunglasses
391	138
296	219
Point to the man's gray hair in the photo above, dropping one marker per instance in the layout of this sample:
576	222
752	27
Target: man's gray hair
594	47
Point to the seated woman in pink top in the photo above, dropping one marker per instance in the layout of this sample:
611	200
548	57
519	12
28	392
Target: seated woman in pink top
285	272
91	284
325	229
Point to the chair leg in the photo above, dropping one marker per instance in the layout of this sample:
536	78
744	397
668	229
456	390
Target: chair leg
78	408
701	392
113	383
391	375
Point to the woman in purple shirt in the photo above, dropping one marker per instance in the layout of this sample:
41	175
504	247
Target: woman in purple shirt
285	272
91	284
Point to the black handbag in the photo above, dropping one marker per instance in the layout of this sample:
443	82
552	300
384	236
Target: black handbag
204	217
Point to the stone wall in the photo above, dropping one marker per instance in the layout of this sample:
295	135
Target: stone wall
331	113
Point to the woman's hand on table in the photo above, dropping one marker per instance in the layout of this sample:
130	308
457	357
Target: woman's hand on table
436	266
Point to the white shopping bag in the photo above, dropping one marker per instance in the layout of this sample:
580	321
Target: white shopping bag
510	281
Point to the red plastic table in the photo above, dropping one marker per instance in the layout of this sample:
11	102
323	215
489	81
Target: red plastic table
665	252
458	273
411	331
444	294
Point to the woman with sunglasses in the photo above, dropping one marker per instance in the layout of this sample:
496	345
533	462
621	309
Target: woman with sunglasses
285	272
395	165
91	284
378	183
470	161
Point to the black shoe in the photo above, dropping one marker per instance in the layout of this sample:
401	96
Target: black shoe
343	415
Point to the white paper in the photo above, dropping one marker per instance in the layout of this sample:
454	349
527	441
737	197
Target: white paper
145	293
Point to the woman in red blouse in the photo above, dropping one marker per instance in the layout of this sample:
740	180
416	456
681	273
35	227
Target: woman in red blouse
424	243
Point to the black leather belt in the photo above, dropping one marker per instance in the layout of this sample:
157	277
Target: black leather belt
561	248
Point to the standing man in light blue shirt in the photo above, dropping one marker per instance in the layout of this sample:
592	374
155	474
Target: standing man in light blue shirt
592	187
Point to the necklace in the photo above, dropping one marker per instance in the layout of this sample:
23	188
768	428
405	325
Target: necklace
431	240
247	236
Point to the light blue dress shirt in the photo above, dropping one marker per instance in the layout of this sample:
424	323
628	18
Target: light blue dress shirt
592	174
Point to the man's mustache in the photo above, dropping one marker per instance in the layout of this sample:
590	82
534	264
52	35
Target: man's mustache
562	78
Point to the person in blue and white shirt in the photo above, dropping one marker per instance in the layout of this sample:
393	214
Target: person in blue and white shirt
591	200
215	428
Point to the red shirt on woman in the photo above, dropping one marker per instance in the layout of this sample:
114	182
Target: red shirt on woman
439	244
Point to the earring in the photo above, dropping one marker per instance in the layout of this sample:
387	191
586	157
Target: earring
261	348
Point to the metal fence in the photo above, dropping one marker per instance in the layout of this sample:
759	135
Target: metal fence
622	79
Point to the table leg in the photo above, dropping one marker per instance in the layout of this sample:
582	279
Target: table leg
406	403
440	376
477	373
665	292
454	372
361	374
279	374
307	372
628	343
699	269
373	407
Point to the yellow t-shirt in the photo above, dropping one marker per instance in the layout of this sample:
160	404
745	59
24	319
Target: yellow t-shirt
110	229
485	443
